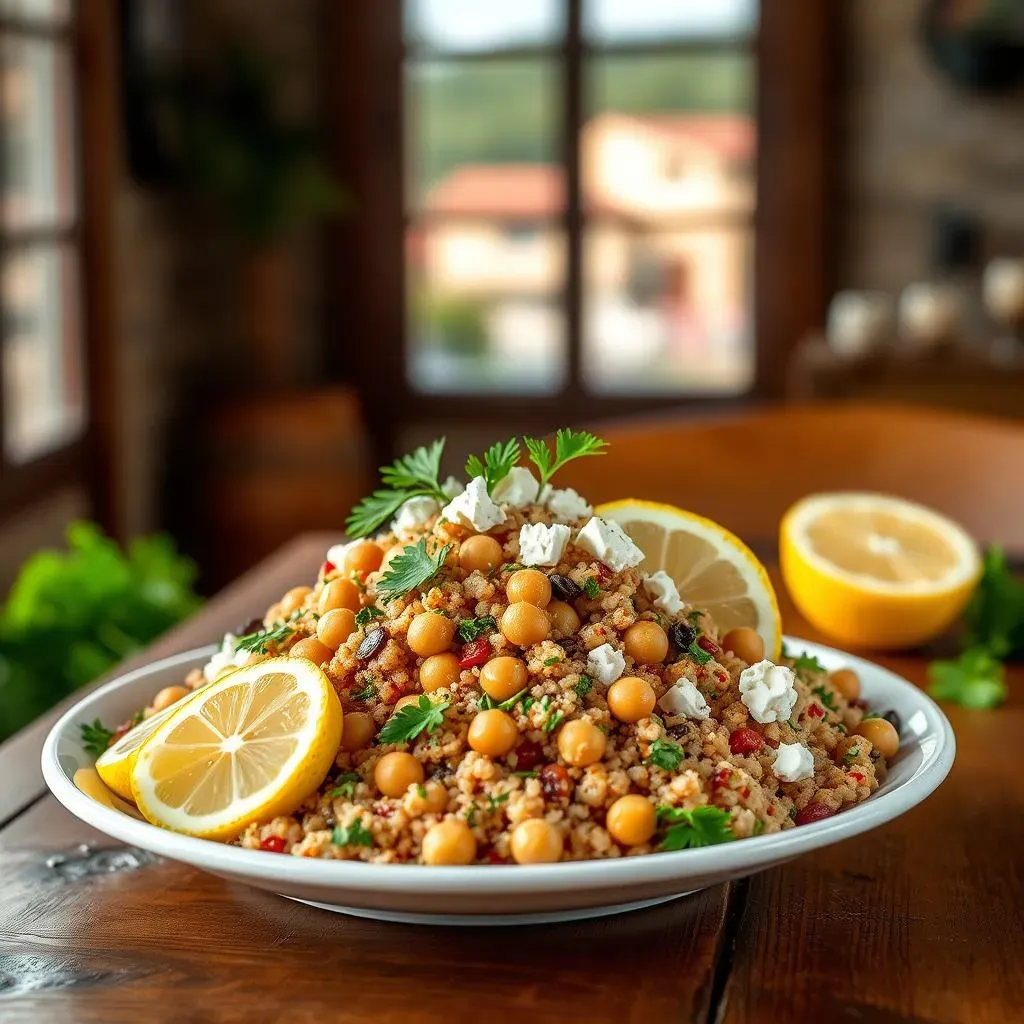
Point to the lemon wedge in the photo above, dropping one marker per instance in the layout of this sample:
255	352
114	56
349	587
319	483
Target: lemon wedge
251	745
876	571
114	765
713	569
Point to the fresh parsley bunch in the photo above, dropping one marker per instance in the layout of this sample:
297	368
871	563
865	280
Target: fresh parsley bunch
702	826
411	570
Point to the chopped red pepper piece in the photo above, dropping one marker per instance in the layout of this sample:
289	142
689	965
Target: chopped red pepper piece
813	812
857	776
708	645
722	777
476	652
326	569
273	844
744	741
815	711
604	573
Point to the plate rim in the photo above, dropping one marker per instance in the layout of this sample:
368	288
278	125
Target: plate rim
743	857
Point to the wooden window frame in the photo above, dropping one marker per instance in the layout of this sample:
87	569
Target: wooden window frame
86	461
796	66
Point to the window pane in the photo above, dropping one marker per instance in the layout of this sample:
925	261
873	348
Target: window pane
667	311
468	25
43	393
38	148
55	12
472	128
630	21
485	307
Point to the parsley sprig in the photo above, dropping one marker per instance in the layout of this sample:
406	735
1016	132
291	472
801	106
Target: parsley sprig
975	680
804	662
702	826
497	462
470	629
96	737
346	785
411	570
356	834
365	615
665	754
408	477
569	444
584	686
407	724
257	643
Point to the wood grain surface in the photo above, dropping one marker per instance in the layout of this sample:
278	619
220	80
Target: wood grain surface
919	921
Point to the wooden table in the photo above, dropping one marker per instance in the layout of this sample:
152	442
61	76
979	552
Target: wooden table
922	920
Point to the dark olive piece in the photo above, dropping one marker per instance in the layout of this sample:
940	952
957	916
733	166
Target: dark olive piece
682	635
252	626
565	589
893	718
372	643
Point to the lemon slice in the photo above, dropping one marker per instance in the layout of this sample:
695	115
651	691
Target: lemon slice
713	569
876	571
89	782
251	745
114	765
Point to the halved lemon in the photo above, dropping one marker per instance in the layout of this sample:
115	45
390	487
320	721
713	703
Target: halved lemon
713	569
114	765
876	571
251	745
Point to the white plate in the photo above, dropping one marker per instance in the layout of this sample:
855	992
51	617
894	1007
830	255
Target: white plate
504	894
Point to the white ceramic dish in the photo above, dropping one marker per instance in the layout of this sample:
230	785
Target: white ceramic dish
504	894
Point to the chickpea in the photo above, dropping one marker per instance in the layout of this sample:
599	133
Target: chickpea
437	797
492	733
631	698
524	624
563	618
339	594
439	670
631	820
449	842
363	558
646	643
357	730
335	627
503	677
580	742
294	600
394	773
745	643
846	681
169	695
430	633
389	555
312	650
536	841
529	585
881	734
404	702
479	553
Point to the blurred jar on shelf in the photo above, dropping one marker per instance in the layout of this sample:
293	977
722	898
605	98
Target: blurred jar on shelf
930	315
1002	290
859	323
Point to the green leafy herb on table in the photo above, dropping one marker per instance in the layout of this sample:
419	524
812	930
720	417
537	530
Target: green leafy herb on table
413	719
569	444
702	826
356	834
96	737
497	463
411	570
470	629
665	754
993	631
73	615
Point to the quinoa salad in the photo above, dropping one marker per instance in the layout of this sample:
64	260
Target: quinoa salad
517	689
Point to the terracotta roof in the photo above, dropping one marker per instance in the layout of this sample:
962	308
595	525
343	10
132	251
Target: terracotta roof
733	135
500	190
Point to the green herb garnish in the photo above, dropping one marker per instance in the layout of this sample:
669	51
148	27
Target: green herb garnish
584	686
471	816
698	653
346	787
413	719
976	679
591	588
805	662
851	755
665	754
421	791
825	697
470	629
411	570
497	463
569	444
694	615
368	692
508	705
96	737
257	643
531	774
758	826
548	662
553	721
497	801
356	834
366	615
702	826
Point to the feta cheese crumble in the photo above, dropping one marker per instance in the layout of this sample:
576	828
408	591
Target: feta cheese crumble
474	508
414	514
542	545
793	763
768	691
605	664
665	592
227	658
608	542
336	553
565	503
518	489
685	699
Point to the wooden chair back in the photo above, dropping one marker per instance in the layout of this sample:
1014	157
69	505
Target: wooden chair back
746	470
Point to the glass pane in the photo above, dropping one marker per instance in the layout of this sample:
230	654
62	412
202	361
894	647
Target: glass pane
38	132
484	132
667	311
634	21
43	392
468	25
485	306
53	12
